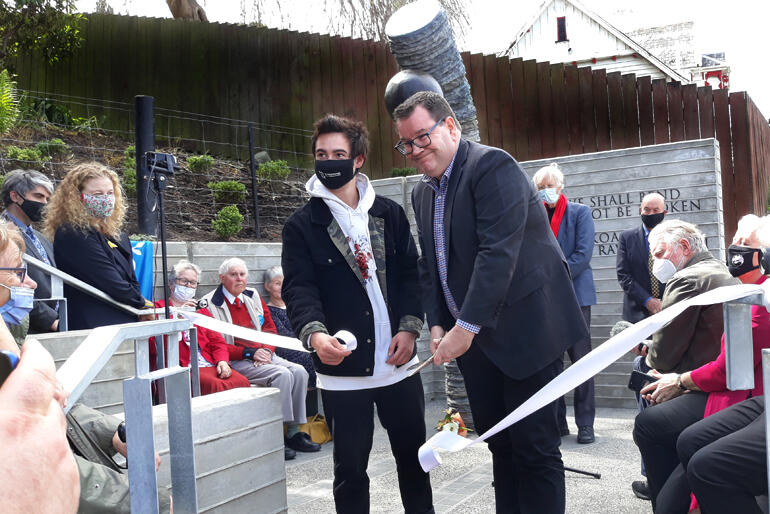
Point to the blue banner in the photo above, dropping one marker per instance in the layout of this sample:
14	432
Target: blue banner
143	266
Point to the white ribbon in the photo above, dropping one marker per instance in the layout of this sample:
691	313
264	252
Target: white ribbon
587	367
247	334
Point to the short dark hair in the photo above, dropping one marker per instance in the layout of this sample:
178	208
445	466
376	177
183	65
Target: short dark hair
22	182
355	131
434	103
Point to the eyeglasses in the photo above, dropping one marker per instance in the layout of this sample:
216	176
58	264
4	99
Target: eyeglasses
421	141
21	272
186	283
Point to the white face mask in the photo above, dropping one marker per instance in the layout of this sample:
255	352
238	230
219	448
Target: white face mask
183	293
664	269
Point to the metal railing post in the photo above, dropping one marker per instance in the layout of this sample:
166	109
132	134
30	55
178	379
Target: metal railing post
739	353
194	371
180	440
765	378
140	440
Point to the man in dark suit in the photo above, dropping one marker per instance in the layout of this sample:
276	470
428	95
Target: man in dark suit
25	193
573	227
494	284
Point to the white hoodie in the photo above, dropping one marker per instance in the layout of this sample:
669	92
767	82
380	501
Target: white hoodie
355	225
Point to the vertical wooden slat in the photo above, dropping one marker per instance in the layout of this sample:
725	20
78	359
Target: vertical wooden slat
617	124
630	111
646	125
739	121
706	111
519	113
506	99
675	111
560	121
494	133
479	93
601	106
545	102
373	122
587	110
660	111
315	76
359	79
531	109
690	106
336	80
387	138
722	125
572	90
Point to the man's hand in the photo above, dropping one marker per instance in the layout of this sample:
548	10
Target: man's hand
663	390
653	305
55	325
223	369
455	343
263	356
401	347
33	435
436	333
329	350
640	349
122	449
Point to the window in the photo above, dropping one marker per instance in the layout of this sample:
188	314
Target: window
561	29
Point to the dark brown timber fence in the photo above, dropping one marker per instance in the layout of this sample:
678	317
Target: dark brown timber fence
279	78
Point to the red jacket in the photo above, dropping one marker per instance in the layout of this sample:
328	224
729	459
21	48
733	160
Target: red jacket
236	350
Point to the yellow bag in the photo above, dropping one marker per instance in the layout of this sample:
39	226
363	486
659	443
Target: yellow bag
317	428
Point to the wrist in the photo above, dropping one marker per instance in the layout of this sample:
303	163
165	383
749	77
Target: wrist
679	383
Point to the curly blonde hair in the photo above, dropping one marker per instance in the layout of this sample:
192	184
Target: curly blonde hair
66	207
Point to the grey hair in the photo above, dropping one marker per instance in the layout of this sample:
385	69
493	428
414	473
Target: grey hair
24	181
747	226
228	264
763	231
673	231
553	171
181	266
273	272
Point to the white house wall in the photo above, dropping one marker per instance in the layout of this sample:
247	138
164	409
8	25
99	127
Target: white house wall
625	64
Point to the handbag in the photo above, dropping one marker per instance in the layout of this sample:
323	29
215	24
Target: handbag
317	428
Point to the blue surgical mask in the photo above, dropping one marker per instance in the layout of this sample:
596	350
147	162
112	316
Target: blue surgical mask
549	195
18	305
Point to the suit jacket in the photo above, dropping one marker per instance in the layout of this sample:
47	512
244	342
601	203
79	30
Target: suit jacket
106	265
693	338
324	289
505	269
576	239
634	274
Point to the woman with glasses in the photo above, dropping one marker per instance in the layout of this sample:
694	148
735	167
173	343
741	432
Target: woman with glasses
84	220
212	356
16	287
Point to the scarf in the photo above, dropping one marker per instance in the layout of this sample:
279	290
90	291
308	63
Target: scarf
561	208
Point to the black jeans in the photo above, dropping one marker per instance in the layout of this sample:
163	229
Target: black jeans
583	399
725	458
401	409
526	461
656	431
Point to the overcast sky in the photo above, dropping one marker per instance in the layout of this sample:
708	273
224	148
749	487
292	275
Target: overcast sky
737	27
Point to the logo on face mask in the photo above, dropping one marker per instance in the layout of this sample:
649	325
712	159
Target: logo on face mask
740	259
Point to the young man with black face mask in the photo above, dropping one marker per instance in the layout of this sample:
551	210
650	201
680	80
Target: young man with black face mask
350	263
25	194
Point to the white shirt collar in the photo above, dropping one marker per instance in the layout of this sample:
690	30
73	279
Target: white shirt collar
230	297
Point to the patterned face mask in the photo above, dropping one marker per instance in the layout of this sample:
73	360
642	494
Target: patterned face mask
98	206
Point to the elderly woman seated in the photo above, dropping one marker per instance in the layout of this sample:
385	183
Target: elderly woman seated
680	400
212	356
273	282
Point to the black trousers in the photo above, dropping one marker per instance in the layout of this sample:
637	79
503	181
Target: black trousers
526	461
583	398
656	431
725	458
350	414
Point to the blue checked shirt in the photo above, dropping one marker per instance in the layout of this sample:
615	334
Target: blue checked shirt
439	202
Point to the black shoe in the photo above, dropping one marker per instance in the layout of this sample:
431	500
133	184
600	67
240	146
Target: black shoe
301	442
586	435
288	453
641	489
564	431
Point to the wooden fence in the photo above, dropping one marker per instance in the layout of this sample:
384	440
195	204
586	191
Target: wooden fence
283	80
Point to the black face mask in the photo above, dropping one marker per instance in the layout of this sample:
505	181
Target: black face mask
33	209
764	261
740	259
651	220
334	174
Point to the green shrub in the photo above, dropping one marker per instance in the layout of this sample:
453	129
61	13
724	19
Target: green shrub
30	155
129	181
228	222
403	172
274	170
9	103
2	179
53	146
228	191
200	163
130	152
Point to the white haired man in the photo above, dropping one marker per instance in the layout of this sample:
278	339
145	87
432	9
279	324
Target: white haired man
235	303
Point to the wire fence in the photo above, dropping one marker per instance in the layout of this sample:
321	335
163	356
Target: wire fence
56	132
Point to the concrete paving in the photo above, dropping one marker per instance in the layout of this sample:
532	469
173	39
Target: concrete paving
463	482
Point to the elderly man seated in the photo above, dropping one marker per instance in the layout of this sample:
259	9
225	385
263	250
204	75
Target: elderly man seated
235	303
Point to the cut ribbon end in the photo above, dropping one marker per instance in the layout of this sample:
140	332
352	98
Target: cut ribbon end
445	440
